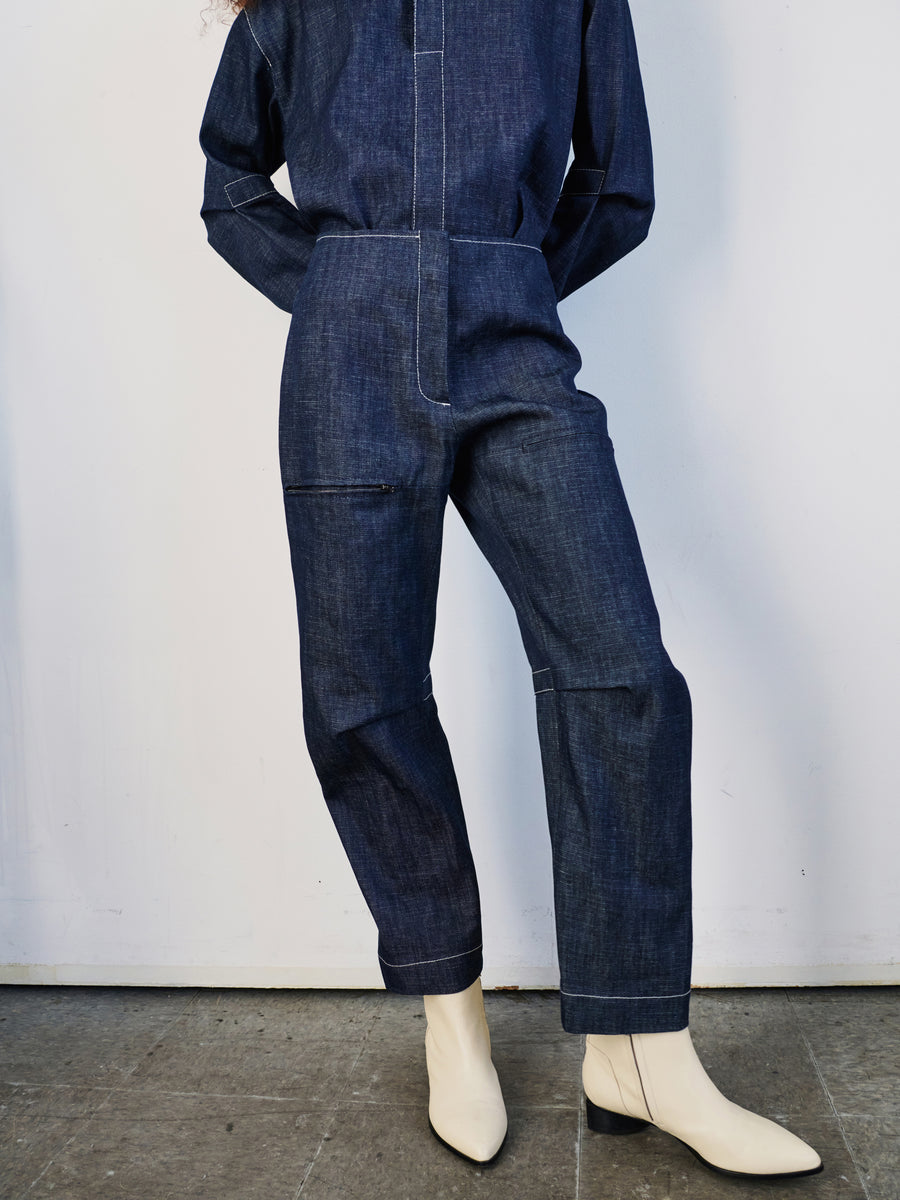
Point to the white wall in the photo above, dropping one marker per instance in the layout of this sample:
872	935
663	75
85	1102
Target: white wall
160	819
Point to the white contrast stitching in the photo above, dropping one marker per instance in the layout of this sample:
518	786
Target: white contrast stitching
365	233
259	47
419	313
443	145
443	125
415	132
591	996
424	961
368	233
541	671
495	242
256	196
454	237
416	53
443	403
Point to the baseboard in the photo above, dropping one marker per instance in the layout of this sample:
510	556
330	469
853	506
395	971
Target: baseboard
706	975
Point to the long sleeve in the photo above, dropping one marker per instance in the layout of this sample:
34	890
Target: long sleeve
606	203
259	232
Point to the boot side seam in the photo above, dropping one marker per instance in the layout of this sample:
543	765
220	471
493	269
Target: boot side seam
637	1067
610	1066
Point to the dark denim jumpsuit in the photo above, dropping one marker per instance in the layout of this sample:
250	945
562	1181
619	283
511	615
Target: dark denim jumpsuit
435	227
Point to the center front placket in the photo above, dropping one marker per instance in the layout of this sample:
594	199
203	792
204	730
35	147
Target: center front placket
429	195
430	149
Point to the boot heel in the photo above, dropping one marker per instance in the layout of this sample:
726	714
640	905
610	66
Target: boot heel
601	1120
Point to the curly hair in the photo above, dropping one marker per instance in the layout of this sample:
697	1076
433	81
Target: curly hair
222	11
235	6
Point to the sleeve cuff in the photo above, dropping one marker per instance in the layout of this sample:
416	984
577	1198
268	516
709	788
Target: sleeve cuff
583	181
247	188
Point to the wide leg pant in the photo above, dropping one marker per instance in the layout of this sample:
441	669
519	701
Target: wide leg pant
422	365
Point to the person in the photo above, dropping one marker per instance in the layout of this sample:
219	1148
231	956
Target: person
435	225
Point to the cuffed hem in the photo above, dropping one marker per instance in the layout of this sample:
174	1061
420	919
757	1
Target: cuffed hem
431	975
623	1014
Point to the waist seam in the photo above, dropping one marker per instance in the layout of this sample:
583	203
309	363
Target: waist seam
453	237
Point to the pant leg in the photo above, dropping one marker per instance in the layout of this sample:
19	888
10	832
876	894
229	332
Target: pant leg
544	501
365	462
365	571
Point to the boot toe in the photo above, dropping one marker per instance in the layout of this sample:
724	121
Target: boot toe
757	1148
790	1155
476	1132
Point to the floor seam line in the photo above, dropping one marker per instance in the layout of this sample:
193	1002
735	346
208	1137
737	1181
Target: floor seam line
376	1016
827	1091
111	1090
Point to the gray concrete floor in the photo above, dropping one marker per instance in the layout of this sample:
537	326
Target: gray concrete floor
232	1094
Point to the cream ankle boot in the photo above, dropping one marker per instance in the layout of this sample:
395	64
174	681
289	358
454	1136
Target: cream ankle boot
465	1109
631	1080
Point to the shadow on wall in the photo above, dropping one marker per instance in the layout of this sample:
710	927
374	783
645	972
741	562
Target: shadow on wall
11	683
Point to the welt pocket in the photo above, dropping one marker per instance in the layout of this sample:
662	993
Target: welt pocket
338	488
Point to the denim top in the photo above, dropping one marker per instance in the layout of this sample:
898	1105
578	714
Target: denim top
455	115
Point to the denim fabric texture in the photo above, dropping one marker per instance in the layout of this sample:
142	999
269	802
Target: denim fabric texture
433	230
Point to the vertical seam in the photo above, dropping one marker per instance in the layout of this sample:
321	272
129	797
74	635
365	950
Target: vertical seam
415	126
416	53
640	1079
443	126
244	13
829	1097
442	403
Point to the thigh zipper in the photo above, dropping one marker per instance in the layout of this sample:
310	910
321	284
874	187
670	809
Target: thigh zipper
342	487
